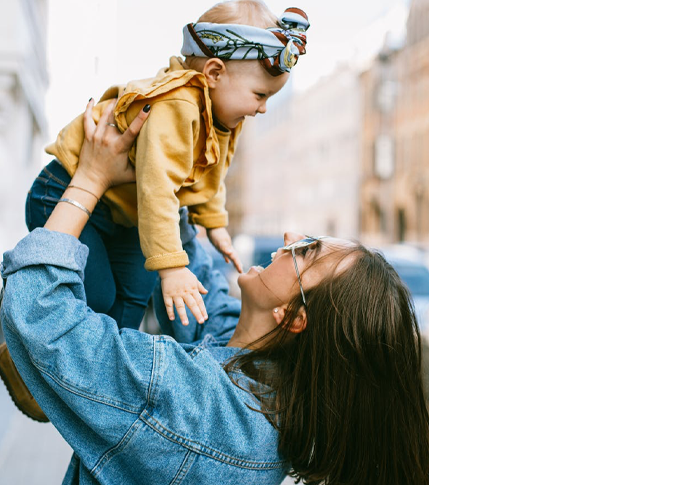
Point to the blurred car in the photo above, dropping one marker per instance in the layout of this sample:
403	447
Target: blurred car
256	250
411	264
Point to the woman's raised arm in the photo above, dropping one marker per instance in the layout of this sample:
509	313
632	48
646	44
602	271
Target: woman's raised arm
104	162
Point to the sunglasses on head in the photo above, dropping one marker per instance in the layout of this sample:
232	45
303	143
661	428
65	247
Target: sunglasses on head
301	243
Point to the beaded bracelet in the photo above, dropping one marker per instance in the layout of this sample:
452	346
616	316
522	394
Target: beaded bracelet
76	204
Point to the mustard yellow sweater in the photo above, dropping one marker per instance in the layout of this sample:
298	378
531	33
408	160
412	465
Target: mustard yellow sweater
180	159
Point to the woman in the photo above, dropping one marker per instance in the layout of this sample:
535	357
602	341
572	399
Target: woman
314	373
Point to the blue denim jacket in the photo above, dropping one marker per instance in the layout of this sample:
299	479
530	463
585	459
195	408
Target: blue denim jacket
136	408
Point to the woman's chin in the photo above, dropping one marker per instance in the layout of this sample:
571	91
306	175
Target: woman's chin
252	273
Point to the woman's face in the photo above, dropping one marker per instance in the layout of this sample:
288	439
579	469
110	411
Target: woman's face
278	284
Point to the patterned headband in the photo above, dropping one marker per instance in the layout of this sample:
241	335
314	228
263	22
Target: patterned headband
278	48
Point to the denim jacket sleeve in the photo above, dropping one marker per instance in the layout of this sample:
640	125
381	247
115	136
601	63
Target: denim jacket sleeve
83	372
117	395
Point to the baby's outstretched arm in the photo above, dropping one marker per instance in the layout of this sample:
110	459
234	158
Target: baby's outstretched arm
181	287
221	240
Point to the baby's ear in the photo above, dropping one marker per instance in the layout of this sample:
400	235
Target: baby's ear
213	70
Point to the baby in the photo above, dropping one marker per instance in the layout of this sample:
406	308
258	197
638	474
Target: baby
236	56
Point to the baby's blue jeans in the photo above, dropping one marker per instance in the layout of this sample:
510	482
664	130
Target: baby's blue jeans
116	283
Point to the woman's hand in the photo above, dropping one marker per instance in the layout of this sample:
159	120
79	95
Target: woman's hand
103	163
221	240
104	156
181	287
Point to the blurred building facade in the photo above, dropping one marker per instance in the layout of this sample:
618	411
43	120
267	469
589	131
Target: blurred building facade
412	115
394	200
23	127
296	166
347	157
378	162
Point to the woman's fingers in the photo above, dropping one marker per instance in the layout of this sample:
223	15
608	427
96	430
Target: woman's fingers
88	122
102	122
101	129
133	130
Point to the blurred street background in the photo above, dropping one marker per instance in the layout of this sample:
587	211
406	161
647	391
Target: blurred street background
342	149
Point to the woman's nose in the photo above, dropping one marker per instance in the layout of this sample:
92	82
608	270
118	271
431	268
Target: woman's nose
290	237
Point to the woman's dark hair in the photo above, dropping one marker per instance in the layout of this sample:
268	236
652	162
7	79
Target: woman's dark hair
346	393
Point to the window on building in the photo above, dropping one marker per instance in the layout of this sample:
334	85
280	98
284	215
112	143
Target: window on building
401	225
386	96
384	157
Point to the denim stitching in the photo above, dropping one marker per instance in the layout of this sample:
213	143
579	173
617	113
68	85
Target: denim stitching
196	351
184	468
107	456
201	449
92	397
46	197
46	194
206	342
49	198
155	372
54	178
74	389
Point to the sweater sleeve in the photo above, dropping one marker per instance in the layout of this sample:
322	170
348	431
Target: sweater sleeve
163	163
103	388
212	213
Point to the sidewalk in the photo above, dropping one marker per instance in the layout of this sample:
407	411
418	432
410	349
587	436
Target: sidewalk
31	453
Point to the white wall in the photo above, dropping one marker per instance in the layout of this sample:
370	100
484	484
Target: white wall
23	127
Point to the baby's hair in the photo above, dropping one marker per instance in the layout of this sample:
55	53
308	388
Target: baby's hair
244	12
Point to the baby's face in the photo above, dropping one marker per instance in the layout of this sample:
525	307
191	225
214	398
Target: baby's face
243	90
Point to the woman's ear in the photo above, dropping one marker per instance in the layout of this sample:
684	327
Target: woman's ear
299	323
213	70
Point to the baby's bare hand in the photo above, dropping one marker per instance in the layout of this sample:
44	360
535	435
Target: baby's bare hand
182	288
221	240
